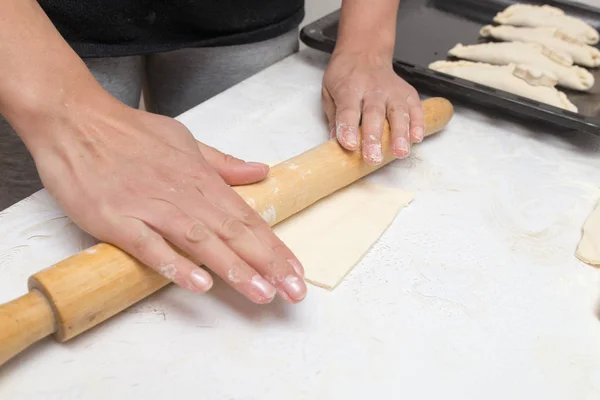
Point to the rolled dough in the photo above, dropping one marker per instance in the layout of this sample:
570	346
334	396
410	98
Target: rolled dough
521	80
535	54
331	236
588	250
547	16
553	38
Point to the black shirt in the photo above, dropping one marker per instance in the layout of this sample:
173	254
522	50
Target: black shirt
98	28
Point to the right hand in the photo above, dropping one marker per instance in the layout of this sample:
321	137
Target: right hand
139	180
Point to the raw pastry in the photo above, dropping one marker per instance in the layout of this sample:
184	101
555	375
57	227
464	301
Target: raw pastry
552	38
331	236
588	250
517	79
535	16
534	76
535	54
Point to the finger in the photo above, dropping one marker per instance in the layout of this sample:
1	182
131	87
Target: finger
226	204
399	119
260	248
347	117
373	118
269	255
203	245
329	108
233	170
417	119
287	274
146	245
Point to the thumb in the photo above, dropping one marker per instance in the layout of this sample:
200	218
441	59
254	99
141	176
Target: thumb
233	170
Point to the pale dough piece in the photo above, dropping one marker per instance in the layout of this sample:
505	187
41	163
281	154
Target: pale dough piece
536	16
535	54
331	236
588	250
553	38
534	76
517	79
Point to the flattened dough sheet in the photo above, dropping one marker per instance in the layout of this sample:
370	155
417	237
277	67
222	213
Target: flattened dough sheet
331	236
588	249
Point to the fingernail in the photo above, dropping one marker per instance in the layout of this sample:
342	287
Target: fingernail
401	146
351	140
346	134
201	281
264	288
338	130
373	153
284	296
297	266
294	287
419	133
257	165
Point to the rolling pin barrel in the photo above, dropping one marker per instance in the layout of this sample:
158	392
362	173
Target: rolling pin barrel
86	289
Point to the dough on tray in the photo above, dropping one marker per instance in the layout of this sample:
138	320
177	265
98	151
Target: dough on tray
534	54
331	236
536	16
588	249
521	80
552	38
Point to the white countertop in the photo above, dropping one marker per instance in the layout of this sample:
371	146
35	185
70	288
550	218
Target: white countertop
473	292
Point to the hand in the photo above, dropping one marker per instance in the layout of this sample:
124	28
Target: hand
139	180
360	87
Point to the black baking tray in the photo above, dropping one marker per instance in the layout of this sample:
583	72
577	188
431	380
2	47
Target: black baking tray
427	29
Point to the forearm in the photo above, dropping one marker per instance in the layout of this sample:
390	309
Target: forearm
368	25
39	73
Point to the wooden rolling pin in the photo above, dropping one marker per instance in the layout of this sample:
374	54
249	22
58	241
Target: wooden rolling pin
82	291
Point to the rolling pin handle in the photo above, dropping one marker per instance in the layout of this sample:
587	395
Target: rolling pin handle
23	322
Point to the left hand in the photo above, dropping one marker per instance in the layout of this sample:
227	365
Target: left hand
362	88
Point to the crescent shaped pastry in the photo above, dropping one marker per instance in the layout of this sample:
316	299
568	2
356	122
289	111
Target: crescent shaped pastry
588	249
517	79
534	54
552	38
538	16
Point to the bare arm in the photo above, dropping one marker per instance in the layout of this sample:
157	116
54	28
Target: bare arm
39	72
360	84
368	25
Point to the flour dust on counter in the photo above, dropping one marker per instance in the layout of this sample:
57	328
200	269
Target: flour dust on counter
331	236
588	249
